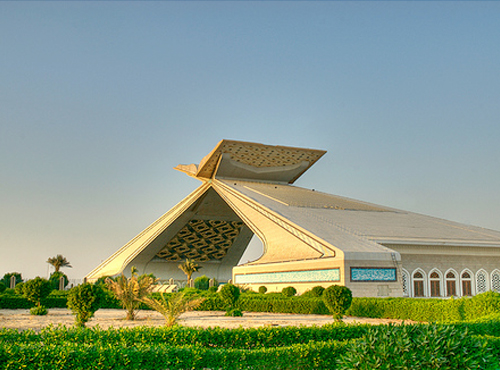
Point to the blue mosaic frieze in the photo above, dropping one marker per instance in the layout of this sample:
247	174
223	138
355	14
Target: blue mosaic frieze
373	274
289	277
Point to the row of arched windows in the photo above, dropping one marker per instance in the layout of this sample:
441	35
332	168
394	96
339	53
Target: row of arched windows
448	284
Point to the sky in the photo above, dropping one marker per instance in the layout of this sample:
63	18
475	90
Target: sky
100	100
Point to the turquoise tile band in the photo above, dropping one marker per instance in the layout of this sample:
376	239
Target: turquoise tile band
289	277
373	274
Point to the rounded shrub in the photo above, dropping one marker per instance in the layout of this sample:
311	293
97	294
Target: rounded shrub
234	312
84	300
38	310
262	289
317	291
36	289
202	282
229	294
337	299
289	291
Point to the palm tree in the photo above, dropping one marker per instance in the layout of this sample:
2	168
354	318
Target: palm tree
131	291
174	306
58	262
188	267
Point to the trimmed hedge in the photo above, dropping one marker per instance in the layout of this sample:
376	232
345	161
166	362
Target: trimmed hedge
281	304
427	310
330	347
424	310
118	357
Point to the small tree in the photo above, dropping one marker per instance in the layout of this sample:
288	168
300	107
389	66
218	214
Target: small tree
171	308
58	262
35	291
229	294
130	291
337	299
84	300
189	266
262	289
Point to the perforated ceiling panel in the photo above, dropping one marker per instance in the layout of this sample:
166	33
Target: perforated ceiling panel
257	155
202	240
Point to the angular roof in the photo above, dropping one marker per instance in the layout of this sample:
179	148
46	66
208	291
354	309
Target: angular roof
328	215
247	189
239	159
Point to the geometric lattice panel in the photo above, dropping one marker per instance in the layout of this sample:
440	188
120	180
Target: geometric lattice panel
202	240
258	155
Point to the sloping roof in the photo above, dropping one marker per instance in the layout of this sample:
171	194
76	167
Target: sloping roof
333	217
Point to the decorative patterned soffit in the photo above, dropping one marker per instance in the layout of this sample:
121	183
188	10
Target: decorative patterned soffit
202	240
257	155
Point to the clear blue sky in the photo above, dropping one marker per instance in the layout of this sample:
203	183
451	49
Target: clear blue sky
99	100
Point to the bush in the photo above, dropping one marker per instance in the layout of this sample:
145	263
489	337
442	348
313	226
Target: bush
338	299
234	312
19	288
317	291
289	291
36	289
229	294
417	347
262	289
2	287
39	310
9	292
202	282
84	300
213	289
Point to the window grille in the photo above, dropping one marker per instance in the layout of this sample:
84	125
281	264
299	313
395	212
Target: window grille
495	281
481	282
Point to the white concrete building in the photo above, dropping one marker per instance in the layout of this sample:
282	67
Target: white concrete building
310	238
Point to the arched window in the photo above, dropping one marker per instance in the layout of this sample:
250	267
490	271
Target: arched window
451	284
405	277
435	284
418	284
481	282
466	284
495	281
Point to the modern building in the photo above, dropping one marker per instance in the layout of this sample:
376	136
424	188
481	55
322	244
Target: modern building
310	238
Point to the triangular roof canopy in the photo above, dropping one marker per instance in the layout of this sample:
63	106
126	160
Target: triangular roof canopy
253	161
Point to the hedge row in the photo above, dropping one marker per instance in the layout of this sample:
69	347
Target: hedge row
89	357
427	310
415	347
179	335
280	304
424	310
54	300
